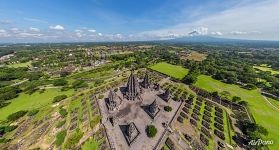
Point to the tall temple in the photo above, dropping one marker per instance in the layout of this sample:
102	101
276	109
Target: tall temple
145	83
113	101
132	89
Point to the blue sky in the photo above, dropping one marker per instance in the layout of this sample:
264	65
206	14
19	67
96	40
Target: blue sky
121	20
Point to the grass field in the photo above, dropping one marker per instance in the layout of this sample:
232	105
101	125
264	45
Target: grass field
263	112
26	64
196	56
267	69
29	102
174	71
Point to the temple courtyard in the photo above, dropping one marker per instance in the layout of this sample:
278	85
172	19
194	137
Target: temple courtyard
127	112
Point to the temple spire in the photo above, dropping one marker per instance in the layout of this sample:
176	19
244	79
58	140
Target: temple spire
145	82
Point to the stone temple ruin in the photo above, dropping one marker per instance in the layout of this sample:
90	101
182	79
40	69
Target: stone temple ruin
153	109
133	89
166	96
131	133
113	101
145	83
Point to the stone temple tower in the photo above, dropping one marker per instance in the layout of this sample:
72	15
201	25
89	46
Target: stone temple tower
133	88
145	83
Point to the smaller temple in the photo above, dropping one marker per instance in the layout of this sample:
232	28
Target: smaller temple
145	83
166	96
131	133
153	109
156	86
112	101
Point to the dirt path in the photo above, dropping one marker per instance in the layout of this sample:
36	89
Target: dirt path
271	103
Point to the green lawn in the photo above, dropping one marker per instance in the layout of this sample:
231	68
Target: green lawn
263	112
29	102
26	64
174	71
267	69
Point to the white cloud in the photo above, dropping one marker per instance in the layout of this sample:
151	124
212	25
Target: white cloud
217	33
78	34
238	32
199	31
119	36
100	34
26	34
57	27
33	29
5	22
15	30
4	33
258	16
35	20
77	30
92	30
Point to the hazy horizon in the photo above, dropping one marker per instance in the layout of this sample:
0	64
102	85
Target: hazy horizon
100	21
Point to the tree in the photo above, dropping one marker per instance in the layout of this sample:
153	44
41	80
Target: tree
236	99
252	130
59	98
32	112
60	82
60	137
16	115
243	103
215	94
151	131
225	94
63	112
167	108
79	84
190	78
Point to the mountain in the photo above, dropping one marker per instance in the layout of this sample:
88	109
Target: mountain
222	41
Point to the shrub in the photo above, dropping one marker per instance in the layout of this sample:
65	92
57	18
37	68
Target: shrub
79	84
95	120
151	131
4	140
60	123
63	112
60	82
59	98
167	108
73	140
32	112
16	115
60	137
5	129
